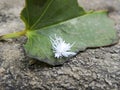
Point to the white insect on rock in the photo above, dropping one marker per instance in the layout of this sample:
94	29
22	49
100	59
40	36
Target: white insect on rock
61	48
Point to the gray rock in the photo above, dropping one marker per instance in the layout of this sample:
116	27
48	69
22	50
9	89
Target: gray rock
94	69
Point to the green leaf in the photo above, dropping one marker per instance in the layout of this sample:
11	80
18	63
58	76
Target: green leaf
41	13
65	19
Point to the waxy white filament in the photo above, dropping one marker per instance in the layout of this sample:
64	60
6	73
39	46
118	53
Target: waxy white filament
61	48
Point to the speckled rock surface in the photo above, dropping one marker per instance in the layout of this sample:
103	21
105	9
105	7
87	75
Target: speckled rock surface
93	69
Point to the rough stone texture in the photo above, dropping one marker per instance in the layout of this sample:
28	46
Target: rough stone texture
94	69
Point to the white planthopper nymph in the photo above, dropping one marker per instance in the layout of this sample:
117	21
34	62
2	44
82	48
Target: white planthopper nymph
61	48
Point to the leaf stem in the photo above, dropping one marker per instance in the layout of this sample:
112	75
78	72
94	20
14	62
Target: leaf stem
13	35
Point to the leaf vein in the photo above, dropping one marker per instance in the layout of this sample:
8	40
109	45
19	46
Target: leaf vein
44	12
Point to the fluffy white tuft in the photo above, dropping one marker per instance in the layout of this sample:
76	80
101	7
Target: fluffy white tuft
60	47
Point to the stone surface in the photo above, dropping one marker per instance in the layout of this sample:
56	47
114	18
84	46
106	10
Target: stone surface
93	69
